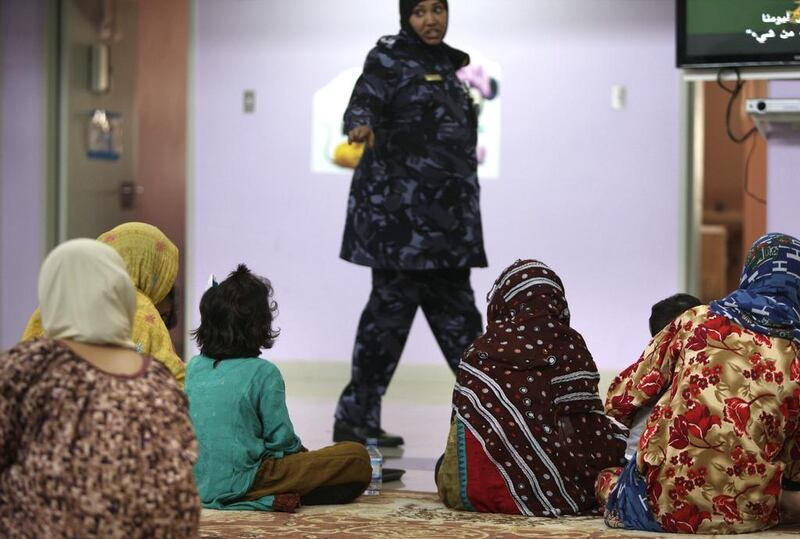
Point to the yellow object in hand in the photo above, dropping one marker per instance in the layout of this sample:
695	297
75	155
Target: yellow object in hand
348	155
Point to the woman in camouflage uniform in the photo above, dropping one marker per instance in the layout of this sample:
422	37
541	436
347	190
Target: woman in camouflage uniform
413	214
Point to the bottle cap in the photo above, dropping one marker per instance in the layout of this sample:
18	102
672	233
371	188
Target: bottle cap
372	441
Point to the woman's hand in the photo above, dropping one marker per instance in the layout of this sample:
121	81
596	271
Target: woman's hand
361	133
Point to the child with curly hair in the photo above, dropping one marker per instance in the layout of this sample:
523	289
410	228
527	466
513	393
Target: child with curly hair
250	456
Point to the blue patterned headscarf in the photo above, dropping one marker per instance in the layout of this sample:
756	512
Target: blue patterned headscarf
768	298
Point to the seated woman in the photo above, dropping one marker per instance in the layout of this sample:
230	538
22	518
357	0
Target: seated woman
95	439
724	383
250	456
528	435
152	263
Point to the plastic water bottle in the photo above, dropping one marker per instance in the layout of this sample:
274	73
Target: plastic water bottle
376	460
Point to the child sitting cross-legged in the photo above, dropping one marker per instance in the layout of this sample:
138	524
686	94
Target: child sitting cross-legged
250	457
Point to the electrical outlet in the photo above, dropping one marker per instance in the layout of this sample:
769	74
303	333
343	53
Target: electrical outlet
619	97
249	101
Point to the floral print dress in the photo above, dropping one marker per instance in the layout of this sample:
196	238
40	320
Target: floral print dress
723	432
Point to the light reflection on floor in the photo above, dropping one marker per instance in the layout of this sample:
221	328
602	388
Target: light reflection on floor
417	406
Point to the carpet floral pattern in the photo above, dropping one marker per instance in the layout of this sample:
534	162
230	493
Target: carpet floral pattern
412	515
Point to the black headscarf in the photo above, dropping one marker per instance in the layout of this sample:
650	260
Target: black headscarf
406	9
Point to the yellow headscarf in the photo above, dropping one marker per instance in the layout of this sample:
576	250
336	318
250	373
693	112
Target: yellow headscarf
152	263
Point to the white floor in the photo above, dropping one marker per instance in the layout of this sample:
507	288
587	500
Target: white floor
417	406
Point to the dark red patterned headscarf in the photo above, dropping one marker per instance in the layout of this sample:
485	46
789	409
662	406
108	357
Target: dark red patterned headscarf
527	390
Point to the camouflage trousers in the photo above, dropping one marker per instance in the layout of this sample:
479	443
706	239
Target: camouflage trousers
448	302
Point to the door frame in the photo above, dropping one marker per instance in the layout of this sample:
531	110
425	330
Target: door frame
52	207
692	129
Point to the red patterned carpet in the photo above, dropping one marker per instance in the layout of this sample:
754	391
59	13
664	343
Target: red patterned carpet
412	515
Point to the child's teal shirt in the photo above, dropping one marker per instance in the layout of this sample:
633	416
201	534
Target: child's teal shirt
239	414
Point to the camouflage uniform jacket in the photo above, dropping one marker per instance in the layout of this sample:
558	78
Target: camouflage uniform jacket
414	199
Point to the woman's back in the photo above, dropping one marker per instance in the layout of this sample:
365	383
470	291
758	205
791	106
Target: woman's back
111	360
724	433
88	453
529	434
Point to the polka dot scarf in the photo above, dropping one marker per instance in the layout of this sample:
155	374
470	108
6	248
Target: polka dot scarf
528	321
527	390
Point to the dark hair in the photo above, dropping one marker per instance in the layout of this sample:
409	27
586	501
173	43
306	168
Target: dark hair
168	309
407	8
236	317
667	310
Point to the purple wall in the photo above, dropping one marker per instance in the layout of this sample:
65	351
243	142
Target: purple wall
592	192
783	186
21	162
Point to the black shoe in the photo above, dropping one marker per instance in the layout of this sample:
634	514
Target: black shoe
345	432
333	495
392	474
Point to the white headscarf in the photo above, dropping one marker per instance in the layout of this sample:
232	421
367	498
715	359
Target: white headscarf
86	294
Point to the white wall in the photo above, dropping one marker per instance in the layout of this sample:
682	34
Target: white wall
590	191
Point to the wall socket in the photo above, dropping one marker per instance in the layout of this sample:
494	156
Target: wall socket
619	97
249	101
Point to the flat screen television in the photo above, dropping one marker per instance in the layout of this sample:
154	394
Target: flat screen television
734	33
